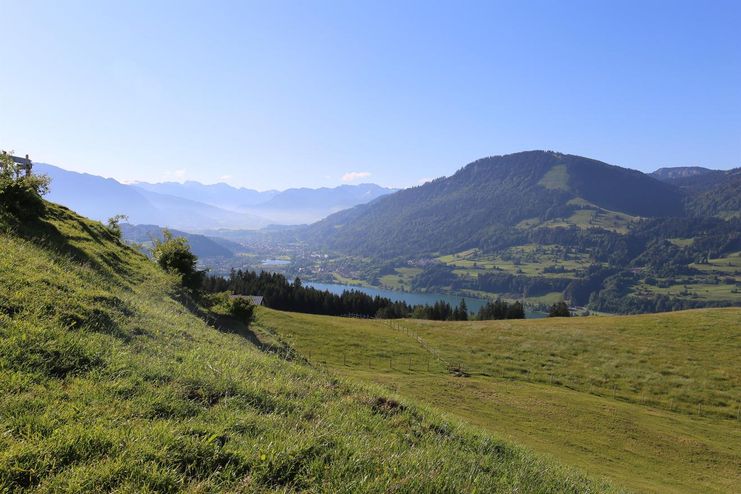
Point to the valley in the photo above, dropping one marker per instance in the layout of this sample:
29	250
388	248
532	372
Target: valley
644	403
539	225
332	247
560	232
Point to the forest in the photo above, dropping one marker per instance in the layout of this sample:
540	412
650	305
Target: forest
278	293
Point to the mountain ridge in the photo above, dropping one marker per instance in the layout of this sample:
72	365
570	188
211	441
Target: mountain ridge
492	194
192	206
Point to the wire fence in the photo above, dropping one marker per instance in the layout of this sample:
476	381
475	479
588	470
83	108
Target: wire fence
283	349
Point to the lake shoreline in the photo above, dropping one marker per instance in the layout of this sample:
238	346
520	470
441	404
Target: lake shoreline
412	298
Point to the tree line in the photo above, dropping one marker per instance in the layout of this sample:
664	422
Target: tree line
281	294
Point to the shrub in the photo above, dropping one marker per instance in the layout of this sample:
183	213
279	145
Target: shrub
561	309
173	254
20	191
223	303
243	309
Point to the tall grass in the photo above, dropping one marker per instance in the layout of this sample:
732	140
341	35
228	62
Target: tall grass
107	383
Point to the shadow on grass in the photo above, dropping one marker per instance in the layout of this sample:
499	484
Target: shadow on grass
40	231
43	231
227	324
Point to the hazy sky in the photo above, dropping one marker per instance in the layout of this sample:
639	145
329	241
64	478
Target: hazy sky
280	94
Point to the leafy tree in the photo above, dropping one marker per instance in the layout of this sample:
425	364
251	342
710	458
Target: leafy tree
173	254
560	309
20	191
114	224
243	309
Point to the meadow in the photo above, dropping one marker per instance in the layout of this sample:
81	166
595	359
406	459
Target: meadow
112	381
719	280
647	402
528	259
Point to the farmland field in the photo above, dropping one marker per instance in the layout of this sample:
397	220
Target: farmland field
529	259
649	402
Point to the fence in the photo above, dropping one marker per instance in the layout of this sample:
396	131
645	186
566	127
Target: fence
604	389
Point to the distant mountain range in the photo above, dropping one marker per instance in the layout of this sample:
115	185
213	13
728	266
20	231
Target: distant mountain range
192	206
288	207
220	195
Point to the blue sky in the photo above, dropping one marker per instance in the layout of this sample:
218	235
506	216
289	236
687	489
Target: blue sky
282	94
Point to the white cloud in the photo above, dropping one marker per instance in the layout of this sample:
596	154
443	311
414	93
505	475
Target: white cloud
175	175
422	181
225	178
353	176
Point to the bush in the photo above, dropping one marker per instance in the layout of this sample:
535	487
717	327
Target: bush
20	191
561	309
225	304
243	309
173	254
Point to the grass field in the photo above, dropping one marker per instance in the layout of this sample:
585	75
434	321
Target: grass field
110	382
726	265
529	259
649	402
719	281
589	216
400	280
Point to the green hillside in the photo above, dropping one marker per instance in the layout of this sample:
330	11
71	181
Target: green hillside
650	402
488	196
109	383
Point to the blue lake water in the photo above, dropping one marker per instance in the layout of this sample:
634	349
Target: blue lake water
411	298
275	262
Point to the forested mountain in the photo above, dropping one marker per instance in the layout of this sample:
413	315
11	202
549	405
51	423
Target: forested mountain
489	196
708	192
549	225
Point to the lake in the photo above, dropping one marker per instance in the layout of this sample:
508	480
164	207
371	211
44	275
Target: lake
411	298
275	262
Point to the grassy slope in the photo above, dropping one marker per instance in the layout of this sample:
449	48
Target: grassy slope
650	402
108	383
